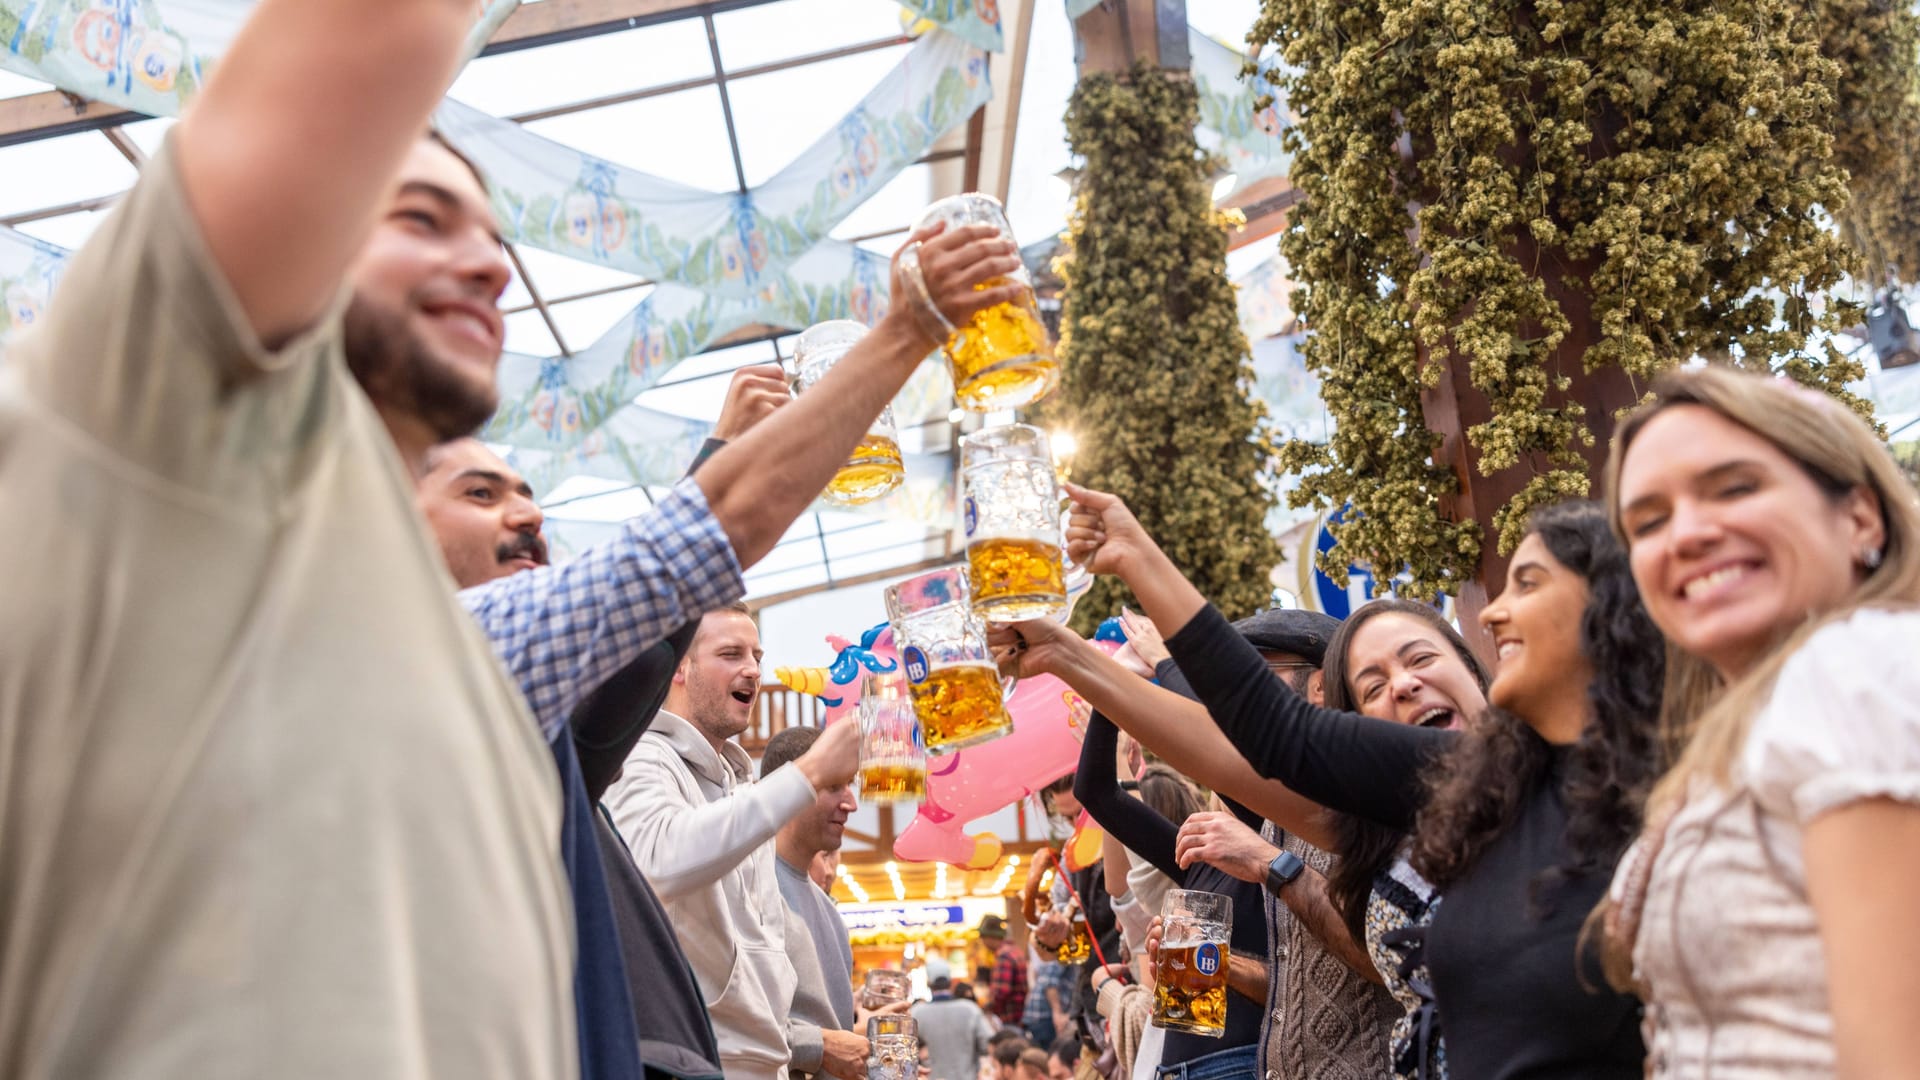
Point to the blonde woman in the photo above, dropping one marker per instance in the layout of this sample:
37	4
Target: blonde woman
1767	912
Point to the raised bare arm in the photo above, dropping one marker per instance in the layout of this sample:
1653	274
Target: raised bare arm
288	154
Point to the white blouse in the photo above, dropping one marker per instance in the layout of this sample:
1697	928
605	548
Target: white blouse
1728	947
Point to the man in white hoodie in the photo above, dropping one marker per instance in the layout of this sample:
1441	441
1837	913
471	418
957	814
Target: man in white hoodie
701	832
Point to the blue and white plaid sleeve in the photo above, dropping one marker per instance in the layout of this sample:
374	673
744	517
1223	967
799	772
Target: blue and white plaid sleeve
562	631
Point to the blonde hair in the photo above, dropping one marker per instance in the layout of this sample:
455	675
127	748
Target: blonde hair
1704	719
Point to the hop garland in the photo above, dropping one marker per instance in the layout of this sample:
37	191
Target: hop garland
1156	368
1674	160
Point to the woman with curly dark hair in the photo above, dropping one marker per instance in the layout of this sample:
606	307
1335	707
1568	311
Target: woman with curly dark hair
1518	819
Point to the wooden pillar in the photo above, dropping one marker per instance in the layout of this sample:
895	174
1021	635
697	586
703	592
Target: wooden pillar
1113	34
1455	406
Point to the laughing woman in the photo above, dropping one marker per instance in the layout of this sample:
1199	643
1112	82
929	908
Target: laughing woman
1767	912
1534	801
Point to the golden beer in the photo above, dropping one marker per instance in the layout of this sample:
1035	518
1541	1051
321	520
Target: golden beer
959	705
893	781
1015	579
1079	944
872	471
1190	988
1001	358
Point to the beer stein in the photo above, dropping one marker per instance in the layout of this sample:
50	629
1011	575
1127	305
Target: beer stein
1190	977
943	650
1011	507
894	1057
875	467
1001	358
1078	948
893	753
884	988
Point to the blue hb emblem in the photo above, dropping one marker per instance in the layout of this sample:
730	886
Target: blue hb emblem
1207	959
916	662
972	516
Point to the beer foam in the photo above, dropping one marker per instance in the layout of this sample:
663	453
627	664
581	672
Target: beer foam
1009	532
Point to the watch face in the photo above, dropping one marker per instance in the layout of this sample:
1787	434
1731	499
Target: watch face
1284	868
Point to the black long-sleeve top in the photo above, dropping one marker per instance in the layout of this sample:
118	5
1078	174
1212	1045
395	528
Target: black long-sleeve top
1152	837
1516	998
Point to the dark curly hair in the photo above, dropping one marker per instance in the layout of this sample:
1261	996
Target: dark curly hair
1366	848
1481	783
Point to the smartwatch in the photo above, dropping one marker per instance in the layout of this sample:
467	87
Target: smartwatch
1282	871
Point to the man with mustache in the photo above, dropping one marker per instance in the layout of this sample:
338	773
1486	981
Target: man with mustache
632	981
272	806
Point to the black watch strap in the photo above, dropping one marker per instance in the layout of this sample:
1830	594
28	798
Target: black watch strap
1282	871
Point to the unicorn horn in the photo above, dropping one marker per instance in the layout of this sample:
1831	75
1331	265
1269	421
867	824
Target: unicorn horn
807	680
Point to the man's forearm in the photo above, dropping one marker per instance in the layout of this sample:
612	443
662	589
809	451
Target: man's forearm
1313	906
1247	976
759	483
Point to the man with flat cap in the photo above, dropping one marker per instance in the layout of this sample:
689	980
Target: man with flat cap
1327	1018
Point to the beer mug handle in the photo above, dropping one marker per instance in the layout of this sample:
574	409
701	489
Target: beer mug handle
1077	578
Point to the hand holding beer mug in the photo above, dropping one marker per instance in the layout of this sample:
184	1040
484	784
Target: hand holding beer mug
1011	506
893	753
1190	973
1078	948
1001	355
943	650
875	467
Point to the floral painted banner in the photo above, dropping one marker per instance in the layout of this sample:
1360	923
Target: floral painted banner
1247	139
150	56
1266	299
555	198
554	402
653	448
29	269
974	21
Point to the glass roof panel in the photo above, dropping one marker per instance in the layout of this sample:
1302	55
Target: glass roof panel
769	33
12	85
527	333
781	113
54	172
558	276
894	206
594	67
581	322
680	137
67	230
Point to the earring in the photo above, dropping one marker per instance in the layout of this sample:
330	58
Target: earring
1871	559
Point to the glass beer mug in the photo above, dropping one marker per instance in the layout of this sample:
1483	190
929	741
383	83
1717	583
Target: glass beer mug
875	467
943	650
1002	357
1078	948
893	1056
1012	510
893	753
1190	977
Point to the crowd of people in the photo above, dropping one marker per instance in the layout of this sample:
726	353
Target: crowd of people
312	765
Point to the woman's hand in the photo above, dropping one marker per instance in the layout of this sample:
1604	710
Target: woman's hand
1104	536
1144	637
1036	647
